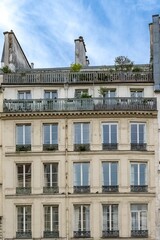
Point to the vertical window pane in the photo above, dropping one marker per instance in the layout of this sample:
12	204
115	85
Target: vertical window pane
114	174
54	134
134	174
82	218
19	134
141	133
27	134
85	133
110	217
113	133
23	134
133	133
46	134
81	174
105	174
105	133
81	133
51	175
139	216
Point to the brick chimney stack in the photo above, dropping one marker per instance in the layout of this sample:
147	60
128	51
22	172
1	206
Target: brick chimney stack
80	52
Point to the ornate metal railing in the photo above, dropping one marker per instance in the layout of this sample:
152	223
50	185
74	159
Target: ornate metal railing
61	77
23	190
24	235
109	146
138	146
139	233
81	189
139	188
51	234
110	233
81	234
23	147
108	189
51	190
80	104
82	147
50	147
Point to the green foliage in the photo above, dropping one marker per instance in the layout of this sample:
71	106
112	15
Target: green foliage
123	63
137	69
85	95
6	69
76	67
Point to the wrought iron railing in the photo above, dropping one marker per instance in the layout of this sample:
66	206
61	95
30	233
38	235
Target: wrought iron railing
81	234
138	146
139	188
23	147
80	104
82	147
24	235
110	146
23	190
108	189
81	189
50	147
51	190
139	233
62	77
110	233
51	234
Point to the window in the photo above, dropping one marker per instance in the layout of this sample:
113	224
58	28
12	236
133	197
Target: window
136	93
110	177
81	136
79	92
110	221
24	95
23	222
50	94
138	136
50	140
138	177
24	179
82	221
51	222
110	93
81	177
23	137
109	136
139	220
50	178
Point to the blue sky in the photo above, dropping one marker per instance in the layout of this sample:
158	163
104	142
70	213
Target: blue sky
46	29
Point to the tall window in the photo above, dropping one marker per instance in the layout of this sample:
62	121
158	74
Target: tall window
50	94
138	177
138	141
79	92
23	137
50	178
110	177
109	136
24	95
139	220
51	222
110	220
136	93
50	140
82	221
23	222
110	93
24	178
81	177
81	136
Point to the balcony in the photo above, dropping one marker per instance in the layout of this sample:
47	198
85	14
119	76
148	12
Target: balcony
139	233
81	147
51	190
138	146
23	190
110	146
51	234
23	147
110	234
56	76
81	189
24	235
139	188
110	189
79	104
50	147
81	234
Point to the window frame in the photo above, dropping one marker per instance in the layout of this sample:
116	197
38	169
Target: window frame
23	218
24	93
51	92
50	133
138	132
139	216
82	140
110	124
24	132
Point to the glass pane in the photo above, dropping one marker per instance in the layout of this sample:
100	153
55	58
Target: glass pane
113	133
19	134
143	172
46	128
133	133
28	175
114	181
105	173
85	133
85	174
141	133
27	134
134	216
134	174
77	174
105	133
77	133
54	134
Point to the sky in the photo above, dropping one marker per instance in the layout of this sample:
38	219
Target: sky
46	29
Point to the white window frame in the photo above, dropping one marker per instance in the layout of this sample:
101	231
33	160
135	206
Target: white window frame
139	216
81	132
50	174
51	217
83	227
138	164
50	132
81	173
24	94
110	173
138	124
50	94
24	132
23	174
110	217
24	218
109	124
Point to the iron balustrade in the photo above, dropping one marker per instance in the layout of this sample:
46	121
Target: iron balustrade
24	235
108	189
139	188
82	147
110	146
23	147
110	233
138	146
23	190
50	147
51	190
81	189
139	233
51	234
81	234
79	104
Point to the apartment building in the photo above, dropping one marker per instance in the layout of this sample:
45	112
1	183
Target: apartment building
79	151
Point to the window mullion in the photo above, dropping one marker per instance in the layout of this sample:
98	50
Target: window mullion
110	218
81	209
50	134
82	141
51	218
109	174
24	219
24	175
50	168
23	132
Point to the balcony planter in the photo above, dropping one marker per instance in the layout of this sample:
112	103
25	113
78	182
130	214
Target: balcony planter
25	147
50	147
81	147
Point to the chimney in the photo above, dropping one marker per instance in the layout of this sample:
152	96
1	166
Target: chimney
154	28
80	52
